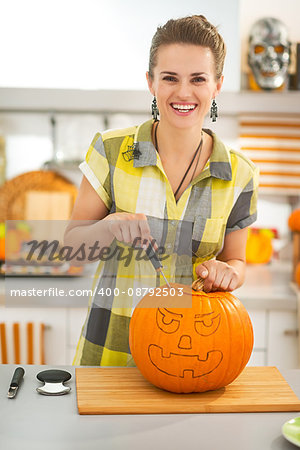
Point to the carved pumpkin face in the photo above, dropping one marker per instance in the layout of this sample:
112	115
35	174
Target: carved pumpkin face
192	349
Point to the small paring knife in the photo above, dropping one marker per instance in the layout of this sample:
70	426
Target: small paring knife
197	285
152	255
15	382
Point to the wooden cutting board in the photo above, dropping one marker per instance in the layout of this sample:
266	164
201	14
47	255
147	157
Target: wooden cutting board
125	391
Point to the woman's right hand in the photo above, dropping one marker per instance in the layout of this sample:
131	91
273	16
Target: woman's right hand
130	228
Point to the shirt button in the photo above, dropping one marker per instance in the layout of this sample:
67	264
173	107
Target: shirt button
169	246
173	223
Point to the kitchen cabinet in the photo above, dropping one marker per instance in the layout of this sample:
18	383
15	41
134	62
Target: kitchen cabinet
282	339
271	301
55	320
275	338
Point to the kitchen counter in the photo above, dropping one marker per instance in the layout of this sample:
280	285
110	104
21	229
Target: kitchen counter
35	422
266	287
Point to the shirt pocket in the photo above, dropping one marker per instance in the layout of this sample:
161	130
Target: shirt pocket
207	237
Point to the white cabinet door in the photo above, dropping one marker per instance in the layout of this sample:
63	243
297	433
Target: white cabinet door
258	319
259	353
282	339
76	318
258	358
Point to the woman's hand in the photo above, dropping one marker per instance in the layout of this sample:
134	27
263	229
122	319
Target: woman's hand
218	276
129	228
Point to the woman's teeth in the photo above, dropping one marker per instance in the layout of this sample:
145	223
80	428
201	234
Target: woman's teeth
183	108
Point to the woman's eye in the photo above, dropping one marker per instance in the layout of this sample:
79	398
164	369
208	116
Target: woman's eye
169	78
198	80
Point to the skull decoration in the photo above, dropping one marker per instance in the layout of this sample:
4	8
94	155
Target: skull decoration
199	347
269	53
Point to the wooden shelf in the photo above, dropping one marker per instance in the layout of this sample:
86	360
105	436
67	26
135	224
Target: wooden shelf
285	102
136	102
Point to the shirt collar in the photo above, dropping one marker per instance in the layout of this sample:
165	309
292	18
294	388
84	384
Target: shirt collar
219	163
143	137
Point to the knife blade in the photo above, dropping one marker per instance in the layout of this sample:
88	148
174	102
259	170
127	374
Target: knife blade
15	382
152	255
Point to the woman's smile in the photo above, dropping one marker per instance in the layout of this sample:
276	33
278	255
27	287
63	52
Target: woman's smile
183	109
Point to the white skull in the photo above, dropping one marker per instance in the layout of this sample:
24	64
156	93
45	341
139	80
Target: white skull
269	52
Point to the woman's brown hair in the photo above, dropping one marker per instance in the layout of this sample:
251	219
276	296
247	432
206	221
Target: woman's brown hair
195	30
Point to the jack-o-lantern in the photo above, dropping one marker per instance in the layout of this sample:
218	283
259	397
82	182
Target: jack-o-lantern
197	348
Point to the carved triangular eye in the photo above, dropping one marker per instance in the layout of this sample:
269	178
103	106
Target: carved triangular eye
167	321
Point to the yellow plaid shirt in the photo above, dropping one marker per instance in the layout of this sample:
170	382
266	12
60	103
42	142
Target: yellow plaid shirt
219	200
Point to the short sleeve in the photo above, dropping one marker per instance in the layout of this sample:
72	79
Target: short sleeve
244	211
96	169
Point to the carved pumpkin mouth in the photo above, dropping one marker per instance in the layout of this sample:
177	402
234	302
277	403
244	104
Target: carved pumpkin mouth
180	365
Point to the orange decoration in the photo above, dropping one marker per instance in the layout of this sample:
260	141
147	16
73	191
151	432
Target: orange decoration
294	220
259	248
13	244
297	274
2	249
203	346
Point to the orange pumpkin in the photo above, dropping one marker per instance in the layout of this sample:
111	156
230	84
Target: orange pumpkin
259	249
202	345
294	220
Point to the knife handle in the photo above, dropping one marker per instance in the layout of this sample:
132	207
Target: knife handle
17	377
152	255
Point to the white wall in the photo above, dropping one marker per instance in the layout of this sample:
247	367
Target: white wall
97	44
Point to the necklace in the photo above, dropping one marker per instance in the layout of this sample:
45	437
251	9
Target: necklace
198	150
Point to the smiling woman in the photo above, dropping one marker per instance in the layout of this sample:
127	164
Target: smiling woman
169	180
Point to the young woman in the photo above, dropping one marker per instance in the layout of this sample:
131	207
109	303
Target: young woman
167	179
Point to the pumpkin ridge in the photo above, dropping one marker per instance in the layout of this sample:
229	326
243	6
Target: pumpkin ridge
225	371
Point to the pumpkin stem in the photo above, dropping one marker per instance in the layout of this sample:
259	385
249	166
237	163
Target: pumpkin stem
198	284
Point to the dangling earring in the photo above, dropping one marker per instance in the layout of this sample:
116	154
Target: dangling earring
213	111
155	112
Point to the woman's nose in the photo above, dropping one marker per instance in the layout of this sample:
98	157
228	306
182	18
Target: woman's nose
183	90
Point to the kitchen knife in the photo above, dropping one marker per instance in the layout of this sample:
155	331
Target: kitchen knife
15	382
152	255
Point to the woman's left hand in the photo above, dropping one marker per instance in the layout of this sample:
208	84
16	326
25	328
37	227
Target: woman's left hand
218	276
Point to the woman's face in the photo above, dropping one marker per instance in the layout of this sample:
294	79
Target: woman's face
184	84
